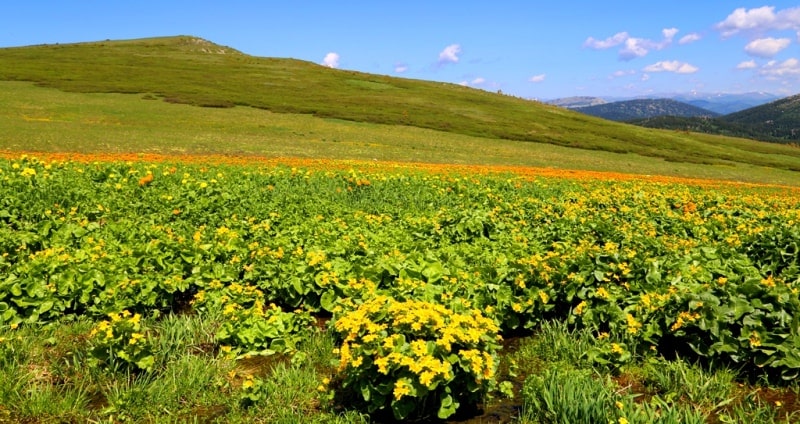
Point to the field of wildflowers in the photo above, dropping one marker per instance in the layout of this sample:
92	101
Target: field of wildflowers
418	272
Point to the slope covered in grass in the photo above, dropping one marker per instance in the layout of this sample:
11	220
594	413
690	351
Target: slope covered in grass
194	71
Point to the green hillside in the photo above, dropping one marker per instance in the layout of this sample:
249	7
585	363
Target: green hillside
778	120
192	71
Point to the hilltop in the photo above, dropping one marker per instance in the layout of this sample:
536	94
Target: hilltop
192	71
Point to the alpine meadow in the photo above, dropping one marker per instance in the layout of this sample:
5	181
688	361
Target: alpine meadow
192	234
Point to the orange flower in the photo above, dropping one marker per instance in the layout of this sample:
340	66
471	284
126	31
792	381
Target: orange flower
147	179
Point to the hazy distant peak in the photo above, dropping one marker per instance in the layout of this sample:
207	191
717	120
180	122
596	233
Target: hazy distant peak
577	101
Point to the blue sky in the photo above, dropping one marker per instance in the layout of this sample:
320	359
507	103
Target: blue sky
530	49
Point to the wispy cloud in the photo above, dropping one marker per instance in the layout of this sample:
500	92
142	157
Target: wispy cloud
331	60
750	64
671	66
537	78
632	47
400	68
787	68
608	43
766	47
450	54
759	20
620	74
689	38
475	82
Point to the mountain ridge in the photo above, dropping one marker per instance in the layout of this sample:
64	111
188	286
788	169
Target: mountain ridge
720	103
644	108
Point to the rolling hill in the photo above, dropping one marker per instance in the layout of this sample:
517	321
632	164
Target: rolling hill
778	122
644	108
187	70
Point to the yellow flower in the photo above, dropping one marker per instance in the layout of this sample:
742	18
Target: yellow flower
616	348
622	420
426	378
135	337
580	307
544	296
249	382
420	347
633	325
383	365
401	388
755	339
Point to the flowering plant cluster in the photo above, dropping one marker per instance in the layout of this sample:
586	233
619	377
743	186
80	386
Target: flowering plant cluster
414	357
121	341
250	325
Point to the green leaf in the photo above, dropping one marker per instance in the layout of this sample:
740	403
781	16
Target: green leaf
328	300
447	406
402	408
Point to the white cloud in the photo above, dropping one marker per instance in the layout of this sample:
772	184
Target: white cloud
645	77
537	78
475	82
689	38
331	60
766	47
750	64
671	66
632	47
609	42
400	68
620	74
759	20
450	54
789	67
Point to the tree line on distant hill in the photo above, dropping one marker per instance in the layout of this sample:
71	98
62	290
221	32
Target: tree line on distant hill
777	122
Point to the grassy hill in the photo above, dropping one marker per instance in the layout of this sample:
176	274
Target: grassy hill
644	108
333	105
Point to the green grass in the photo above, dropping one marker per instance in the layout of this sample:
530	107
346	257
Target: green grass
48	378
43	119
560	386
193	71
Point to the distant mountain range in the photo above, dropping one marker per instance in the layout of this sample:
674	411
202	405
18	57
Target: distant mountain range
777	121
644	108
758	116
721	103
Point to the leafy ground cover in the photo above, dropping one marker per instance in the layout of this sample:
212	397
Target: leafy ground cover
343	291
